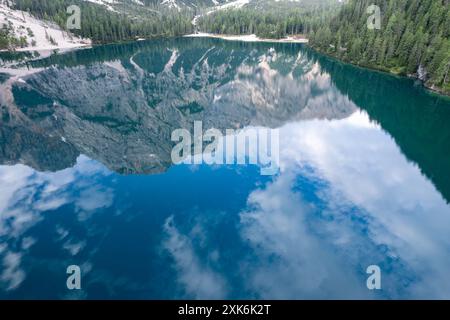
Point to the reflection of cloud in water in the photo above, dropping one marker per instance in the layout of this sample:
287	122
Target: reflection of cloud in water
198	280
293	263
24	197
12	274
346	198
372	207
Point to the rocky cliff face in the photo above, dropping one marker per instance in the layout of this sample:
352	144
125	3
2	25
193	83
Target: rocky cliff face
121	112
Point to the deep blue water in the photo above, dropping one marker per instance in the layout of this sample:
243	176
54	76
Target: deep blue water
86	177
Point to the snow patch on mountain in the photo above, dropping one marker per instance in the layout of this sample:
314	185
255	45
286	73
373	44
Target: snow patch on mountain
109	4
106	3
40	35
236	4
172	4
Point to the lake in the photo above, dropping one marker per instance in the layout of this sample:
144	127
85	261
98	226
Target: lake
87	178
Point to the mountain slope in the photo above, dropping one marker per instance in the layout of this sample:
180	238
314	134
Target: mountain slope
267	18
106	21
25	32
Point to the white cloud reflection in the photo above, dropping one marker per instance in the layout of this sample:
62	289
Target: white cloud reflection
293	263
346	198
25	195
198	279
373	206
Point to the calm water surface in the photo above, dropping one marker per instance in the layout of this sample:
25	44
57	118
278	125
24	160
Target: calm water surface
86	177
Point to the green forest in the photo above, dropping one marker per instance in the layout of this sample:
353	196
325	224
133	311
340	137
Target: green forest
104	26
413	35
271	19
266	24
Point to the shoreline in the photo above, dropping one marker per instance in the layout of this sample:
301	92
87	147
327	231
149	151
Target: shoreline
254	38
46	52
42	53
50	48
429	89
246	38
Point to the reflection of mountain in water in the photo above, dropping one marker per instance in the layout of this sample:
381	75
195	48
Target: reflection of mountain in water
122	111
